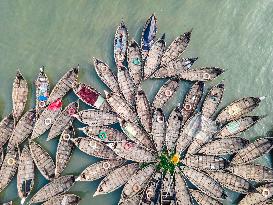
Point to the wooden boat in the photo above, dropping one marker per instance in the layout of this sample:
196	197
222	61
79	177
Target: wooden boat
137	134
253	151
182	192
103	133
206	133
148	35
260	197
53	188
8	168
43	161
63	119
167	190
42	91
213	100
203	199
116	178
238	108
131	151
189	131
134	62
23	129
236	127
192	100
25	176
143	110
120	106
137	182
158	129
6	129
47	118
205	183
126	84
151	194
232	182
254	172
19	95
64	149
120	44
134	200
165	93
153	58
67	199
94	148
99	169
224	146
106	75
173	68
90	96
173	128
205	162
176	48
200	74
66	83
94	117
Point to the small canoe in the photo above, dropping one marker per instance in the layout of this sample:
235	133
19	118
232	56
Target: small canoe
165	93
158	129
99	169
182	192
204	182
23	129
173	128
63	119
120	44
200	74
236	127
42	91
134	62
213	100
8	168
90	96
47	118
177	47
153	59
238	108
19	95
131	151
224	146
253	151
116	179
66	83
67	199
126	84
192	100
143	110
43	160
53	188
94	148
151	194
173	68
64	149
121	107
137	182
106	75
94	117
25	176
103	133
167	191
137	134
6	129
148	35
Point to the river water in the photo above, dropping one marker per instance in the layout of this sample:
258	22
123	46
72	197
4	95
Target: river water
234	35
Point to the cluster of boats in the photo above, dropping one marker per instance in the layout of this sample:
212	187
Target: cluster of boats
152	157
